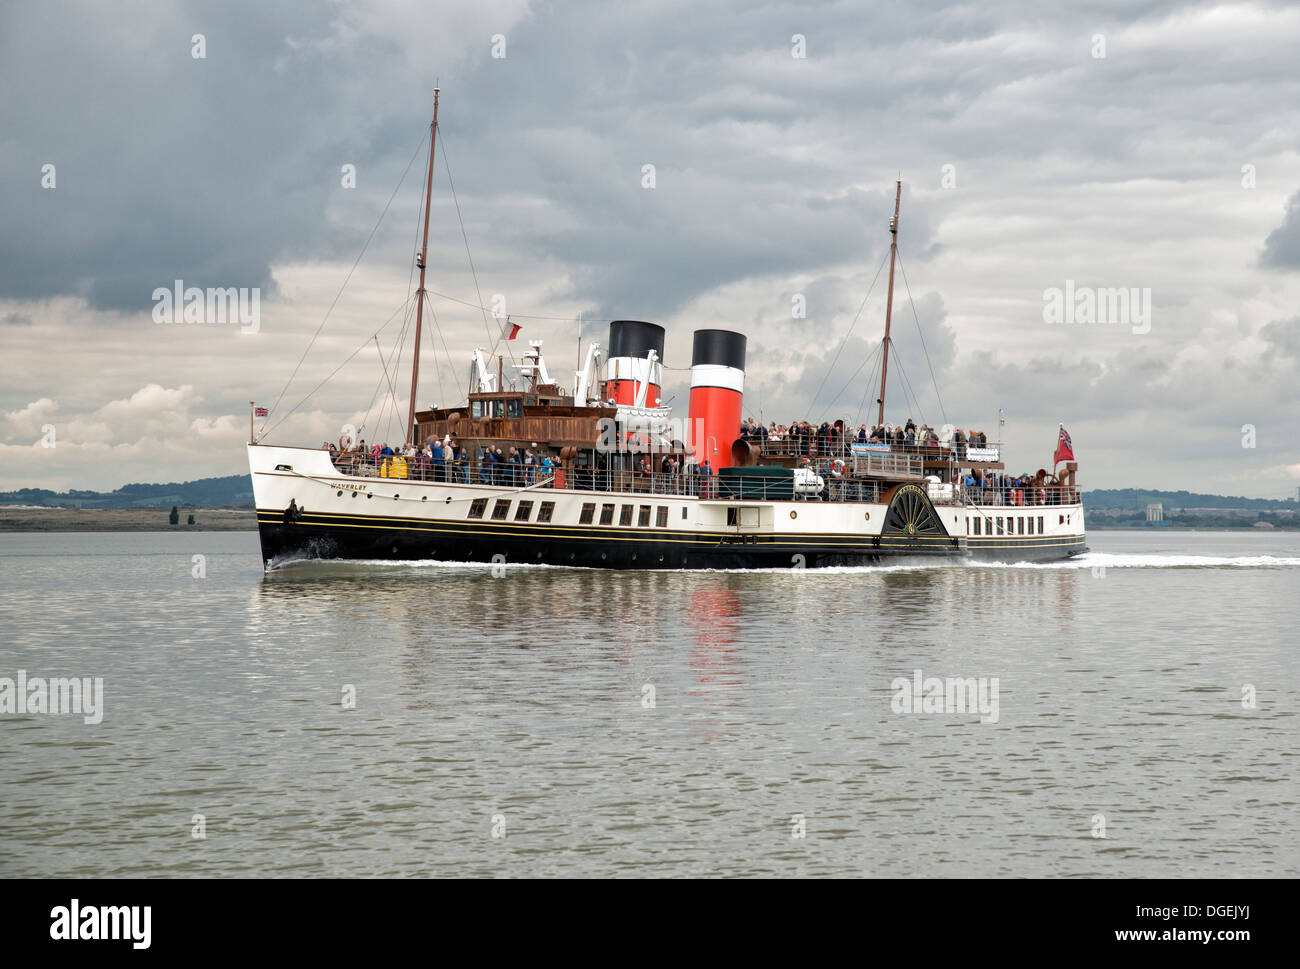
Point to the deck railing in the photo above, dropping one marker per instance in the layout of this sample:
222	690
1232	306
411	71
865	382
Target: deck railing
846	448
846	488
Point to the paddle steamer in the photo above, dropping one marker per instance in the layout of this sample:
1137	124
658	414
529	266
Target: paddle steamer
617	482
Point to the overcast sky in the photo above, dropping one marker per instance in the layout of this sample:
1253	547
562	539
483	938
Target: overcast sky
1146	145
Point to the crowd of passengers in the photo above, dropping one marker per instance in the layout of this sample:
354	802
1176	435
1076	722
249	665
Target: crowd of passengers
804	438
447	461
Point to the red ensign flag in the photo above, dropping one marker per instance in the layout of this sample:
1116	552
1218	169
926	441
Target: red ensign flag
1064	449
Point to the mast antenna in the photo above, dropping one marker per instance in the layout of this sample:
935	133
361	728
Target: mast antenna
889	300
422	261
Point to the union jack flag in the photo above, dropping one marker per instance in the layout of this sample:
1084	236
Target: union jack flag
1064	449
260	412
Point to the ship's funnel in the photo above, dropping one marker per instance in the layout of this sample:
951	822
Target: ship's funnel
717	394
628	364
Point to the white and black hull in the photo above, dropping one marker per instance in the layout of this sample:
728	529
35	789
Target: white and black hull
308	509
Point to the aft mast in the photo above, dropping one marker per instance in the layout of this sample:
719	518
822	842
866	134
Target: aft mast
421	262
889	302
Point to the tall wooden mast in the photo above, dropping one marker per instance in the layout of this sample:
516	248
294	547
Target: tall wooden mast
889	301
423	259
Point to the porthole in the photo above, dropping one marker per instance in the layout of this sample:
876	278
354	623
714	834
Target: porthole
449	499
394	497
369	495
354	494
340	494
793	513
602	555
866	516
424	497
572	555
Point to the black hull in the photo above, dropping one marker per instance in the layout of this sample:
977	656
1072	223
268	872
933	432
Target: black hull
283	543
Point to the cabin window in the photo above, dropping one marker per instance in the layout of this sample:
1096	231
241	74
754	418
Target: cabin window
476	409
977	526
1020	526
661	516
1031	526
524	511
500	509
515	408
733	517
643	518
498	408
625	515
683	513
1040	524
1062	520
477	507
607	514
588	511
999	526
544	513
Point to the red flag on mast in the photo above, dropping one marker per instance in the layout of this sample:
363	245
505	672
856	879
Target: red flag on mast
1064	449
513	331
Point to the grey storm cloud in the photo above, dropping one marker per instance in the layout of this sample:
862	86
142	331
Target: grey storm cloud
1282	247
773	176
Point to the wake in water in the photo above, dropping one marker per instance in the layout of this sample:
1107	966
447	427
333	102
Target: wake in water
1153	560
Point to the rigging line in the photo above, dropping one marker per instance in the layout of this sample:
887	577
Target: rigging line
346	279
813	407
437	369
398	348
907	388
942	413
848	382
391	392
450	362
379	385
468	255
364	343
871	382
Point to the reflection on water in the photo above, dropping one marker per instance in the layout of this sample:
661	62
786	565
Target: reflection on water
524	694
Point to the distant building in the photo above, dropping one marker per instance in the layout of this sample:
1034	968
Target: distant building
1155	512
1263	524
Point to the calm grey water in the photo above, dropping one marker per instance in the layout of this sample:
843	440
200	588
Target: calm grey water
503	726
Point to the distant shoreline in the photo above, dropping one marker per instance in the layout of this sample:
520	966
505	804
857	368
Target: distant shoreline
125	520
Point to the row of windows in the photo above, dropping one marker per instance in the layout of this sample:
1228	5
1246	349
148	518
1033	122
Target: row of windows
524	511
625	515
1013	525
501	510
